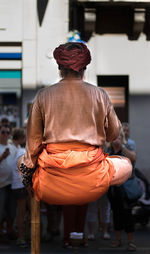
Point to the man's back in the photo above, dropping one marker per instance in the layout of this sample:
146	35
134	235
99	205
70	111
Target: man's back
74	111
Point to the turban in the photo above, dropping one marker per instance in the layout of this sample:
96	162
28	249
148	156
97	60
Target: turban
75	57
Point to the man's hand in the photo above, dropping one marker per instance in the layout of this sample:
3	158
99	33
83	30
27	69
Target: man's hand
117	144
26	176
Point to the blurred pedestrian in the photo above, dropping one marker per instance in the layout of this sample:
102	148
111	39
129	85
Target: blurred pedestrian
92	219
4	121
7	202
104	212
122	212
19	191
54	216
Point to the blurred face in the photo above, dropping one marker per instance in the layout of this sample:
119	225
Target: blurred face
4	134
22	141
126	131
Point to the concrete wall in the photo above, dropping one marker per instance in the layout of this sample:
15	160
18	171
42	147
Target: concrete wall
11	20
110	54
19	23
39	67
139	107
116	55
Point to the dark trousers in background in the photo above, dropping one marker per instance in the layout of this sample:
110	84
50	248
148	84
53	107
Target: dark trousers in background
74	219
7	208
123	220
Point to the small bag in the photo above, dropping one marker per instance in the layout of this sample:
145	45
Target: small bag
132	189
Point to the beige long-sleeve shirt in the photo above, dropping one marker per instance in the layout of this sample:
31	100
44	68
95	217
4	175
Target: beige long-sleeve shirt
71	110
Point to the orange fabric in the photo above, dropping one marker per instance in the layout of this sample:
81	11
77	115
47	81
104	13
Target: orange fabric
72	173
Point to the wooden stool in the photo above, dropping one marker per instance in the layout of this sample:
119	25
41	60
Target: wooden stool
35	226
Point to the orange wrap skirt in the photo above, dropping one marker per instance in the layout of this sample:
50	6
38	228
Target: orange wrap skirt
72	173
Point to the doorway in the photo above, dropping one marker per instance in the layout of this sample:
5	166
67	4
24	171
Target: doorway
117	87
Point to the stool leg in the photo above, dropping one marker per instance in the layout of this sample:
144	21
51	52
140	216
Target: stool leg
35	226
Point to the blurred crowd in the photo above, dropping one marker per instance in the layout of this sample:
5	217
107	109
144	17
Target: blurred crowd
110	212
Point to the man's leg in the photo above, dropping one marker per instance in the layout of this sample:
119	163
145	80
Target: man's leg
123	168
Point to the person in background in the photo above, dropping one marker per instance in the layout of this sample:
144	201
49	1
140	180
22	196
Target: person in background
104	212
5	121
7	202
98	218
51	216
54	216
91	219
19	191
129	148
122	212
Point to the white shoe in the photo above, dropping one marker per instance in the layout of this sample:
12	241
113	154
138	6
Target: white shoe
91	237
106	236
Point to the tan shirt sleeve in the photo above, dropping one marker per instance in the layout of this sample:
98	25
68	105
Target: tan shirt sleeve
35	128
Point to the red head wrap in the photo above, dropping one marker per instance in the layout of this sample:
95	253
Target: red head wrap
72	55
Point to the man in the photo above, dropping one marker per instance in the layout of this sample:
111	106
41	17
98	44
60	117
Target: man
6	198
4	121
122	211
129	149
19	191
68	125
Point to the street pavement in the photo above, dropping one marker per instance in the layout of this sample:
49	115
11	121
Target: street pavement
99	246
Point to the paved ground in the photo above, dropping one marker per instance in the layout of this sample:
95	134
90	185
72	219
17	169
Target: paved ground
99	246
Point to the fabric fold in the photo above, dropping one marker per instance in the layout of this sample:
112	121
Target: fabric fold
72	173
